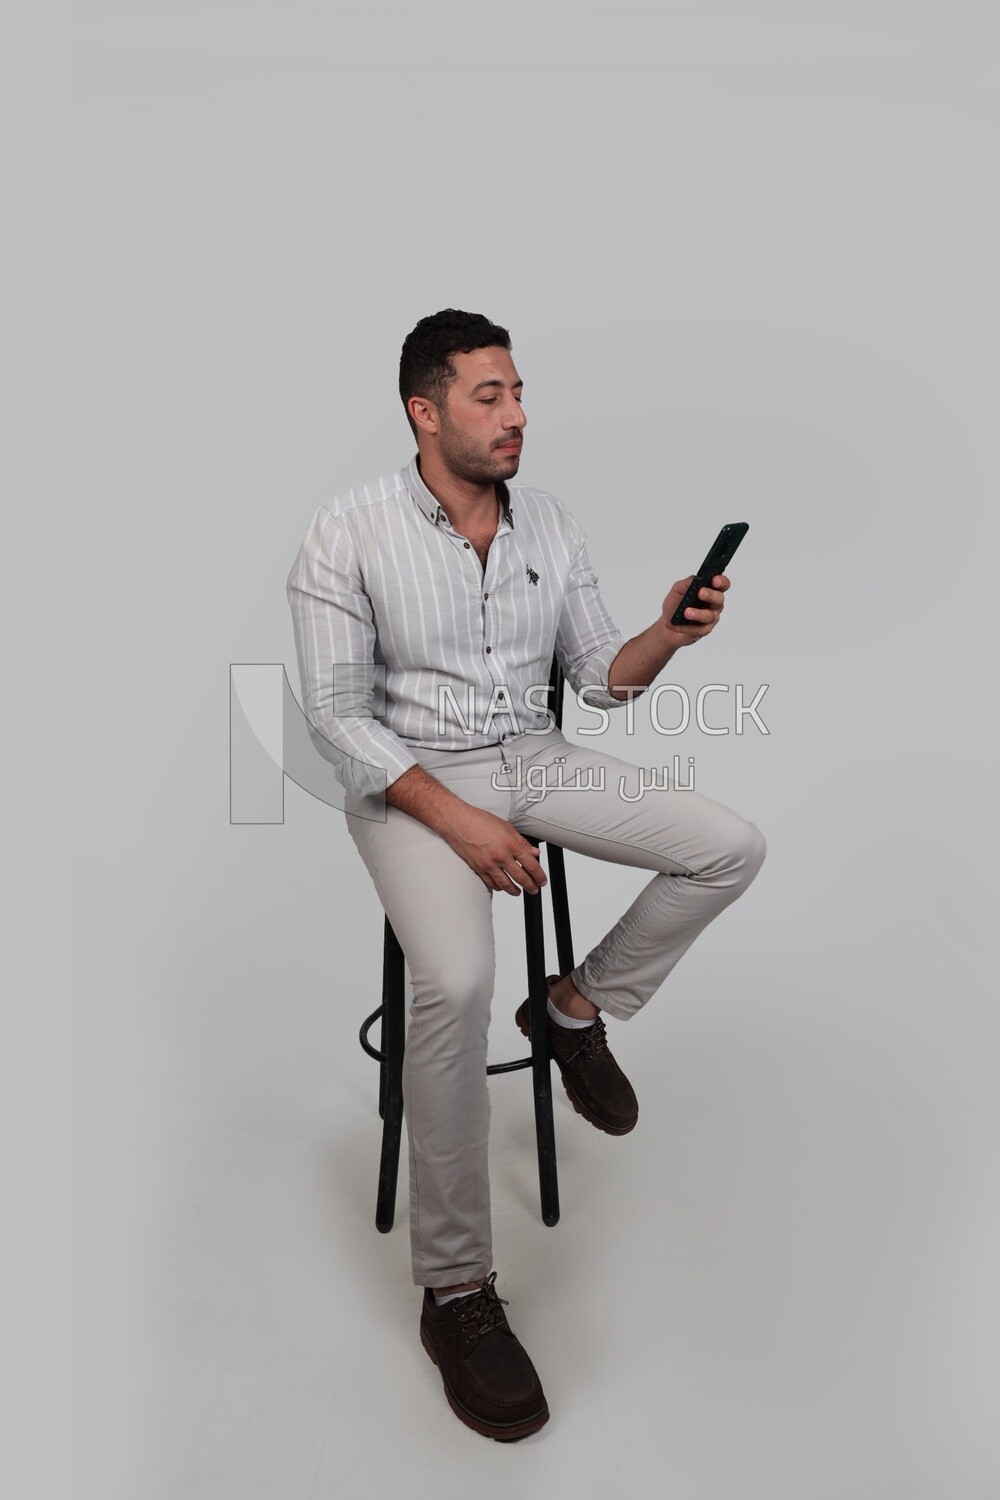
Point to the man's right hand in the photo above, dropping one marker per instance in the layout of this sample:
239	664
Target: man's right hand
503	859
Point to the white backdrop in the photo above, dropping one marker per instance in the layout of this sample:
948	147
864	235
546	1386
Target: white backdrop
747	255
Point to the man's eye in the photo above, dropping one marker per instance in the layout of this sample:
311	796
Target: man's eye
487	400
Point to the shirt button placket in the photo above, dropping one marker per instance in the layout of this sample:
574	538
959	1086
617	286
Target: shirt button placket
503	758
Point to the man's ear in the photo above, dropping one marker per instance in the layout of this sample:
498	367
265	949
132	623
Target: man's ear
424	414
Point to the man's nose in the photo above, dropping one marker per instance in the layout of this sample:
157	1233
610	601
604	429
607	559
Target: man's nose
515	415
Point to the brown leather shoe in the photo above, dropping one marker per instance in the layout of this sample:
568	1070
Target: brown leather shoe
489	1380
596	1085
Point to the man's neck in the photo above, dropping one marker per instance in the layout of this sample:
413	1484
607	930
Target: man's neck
465	503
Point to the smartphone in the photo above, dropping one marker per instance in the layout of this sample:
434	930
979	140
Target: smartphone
719	557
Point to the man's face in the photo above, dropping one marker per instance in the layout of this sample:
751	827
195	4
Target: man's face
482	422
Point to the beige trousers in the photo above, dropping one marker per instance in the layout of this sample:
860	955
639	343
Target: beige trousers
703	856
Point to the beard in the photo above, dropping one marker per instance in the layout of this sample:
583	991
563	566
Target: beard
468	461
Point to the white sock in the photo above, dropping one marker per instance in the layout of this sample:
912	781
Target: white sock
452	1295
563	1020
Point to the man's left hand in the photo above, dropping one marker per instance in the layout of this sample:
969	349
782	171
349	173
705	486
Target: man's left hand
701	619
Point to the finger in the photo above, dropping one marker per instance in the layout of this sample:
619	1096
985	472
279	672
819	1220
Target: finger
714	597
525	878
510	884
720	581
530	863
700	616
522	872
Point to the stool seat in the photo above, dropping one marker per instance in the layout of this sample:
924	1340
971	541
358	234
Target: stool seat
389	1055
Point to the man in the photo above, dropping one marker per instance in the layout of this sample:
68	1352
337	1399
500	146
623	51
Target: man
426	608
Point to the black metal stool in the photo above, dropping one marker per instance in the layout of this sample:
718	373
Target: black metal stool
393	1029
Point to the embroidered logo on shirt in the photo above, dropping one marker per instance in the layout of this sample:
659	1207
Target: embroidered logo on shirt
532	574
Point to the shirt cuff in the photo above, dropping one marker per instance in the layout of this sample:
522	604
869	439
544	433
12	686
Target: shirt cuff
594	683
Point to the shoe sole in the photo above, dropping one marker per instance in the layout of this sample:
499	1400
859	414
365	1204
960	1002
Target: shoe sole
503	1432
577	1103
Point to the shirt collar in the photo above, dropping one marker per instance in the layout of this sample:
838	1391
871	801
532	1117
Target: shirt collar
430	505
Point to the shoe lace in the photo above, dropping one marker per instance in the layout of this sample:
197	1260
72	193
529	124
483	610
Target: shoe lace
594	1040
481	1310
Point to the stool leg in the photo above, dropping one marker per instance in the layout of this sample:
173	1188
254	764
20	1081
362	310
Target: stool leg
541	1074
560	907
383	1071
393	1043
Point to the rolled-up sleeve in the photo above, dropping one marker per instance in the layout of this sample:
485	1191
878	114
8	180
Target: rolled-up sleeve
587	638
335	644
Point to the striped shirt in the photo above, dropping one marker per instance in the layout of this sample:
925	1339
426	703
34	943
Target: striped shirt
404	641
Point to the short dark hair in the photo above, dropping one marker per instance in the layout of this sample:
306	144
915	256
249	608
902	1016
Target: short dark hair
425	367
